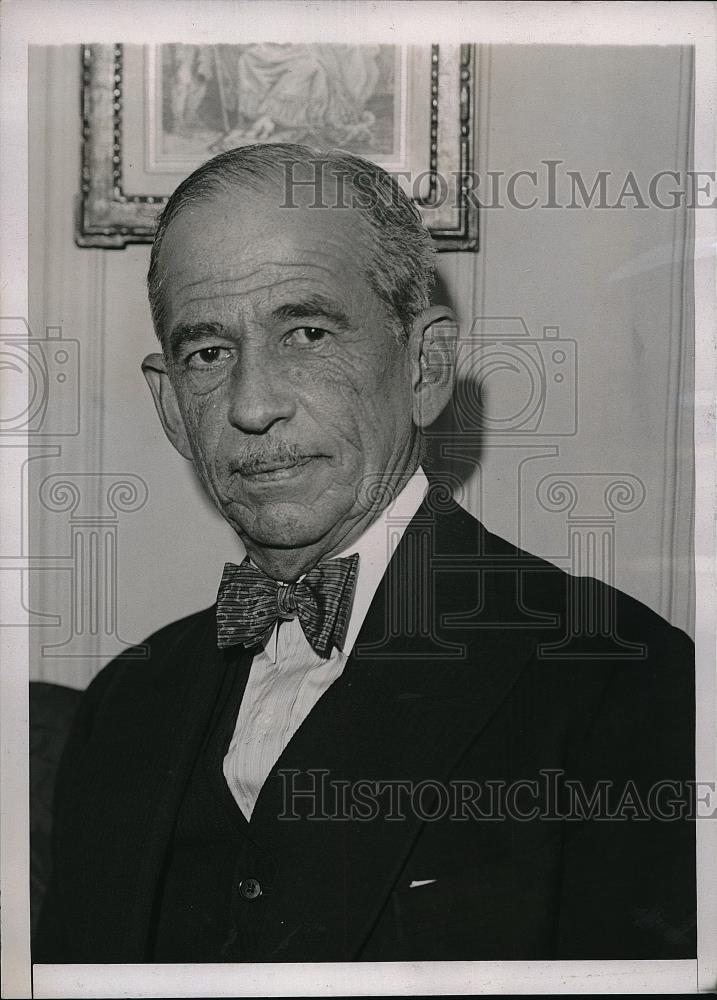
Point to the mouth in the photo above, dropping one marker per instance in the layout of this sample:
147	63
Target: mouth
276	470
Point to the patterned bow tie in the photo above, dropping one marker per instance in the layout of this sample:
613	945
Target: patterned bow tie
250	603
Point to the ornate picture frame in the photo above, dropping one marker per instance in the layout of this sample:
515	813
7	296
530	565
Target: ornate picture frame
125	183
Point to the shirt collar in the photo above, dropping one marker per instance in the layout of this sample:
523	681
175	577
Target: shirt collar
376	547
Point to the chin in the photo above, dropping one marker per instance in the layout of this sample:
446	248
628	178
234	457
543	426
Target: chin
286	525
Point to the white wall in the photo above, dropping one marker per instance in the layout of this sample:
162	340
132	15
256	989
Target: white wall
616	282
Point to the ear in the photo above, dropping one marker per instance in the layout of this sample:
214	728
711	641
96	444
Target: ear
432	349
155	371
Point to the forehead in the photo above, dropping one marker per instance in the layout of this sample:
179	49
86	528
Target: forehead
244	245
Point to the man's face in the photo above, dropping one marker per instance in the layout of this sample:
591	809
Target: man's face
287	369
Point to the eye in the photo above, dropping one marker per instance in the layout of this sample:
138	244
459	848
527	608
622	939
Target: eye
307	336
208	357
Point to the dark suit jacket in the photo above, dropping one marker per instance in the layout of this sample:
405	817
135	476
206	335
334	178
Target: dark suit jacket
476	664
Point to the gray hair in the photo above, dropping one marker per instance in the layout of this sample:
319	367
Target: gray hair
400	268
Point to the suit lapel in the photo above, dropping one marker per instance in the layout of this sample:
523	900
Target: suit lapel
169	718
414	695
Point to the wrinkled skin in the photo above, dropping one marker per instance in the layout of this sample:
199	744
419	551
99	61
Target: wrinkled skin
283	376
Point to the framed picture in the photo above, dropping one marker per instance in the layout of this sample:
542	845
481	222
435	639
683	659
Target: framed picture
151	114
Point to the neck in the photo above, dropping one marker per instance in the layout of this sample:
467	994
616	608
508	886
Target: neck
287	564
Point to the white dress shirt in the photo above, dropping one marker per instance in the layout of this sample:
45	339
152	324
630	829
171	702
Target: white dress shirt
287	677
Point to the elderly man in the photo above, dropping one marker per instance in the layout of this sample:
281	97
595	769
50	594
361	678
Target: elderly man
382	742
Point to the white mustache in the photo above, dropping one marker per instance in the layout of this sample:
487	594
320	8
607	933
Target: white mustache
274	458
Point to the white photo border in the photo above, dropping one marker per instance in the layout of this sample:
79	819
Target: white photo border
63	22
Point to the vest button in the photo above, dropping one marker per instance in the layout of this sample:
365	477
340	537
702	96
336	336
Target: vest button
250	888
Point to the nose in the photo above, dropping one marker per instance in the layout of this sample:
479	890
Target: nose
261	393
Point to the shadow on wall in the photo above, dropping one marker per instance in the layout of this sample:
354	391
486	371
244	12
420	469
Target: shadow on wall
453	447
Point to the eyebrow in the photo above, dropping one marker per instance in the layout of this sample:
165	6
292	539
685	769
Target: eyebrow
315	306
188	333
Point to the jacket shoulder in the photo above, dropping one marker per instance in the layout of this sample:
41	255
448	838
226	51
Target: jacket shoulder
548	589
150	663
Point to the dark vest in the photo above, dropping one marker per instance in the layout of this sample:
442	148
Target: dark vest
217	881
